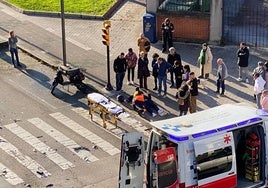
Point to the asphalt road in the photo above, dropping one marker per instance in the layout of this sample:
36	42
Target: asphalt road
40	139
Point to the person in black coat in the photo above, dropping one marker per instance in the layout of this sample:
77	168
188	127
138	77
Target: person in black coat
171	58
155	70
143	70
243	56
120	67
167	34
178	71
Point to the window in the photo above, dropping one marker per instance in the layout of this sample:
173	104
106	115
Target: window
185	5
214	162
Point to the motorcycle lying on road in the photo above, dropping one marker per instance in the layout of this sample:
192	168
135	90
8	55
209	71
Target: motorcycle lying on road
75	77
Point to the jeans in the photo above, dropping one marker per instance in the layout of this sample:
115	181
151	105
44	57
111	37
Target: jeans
14	51
162	79
119	80
220	84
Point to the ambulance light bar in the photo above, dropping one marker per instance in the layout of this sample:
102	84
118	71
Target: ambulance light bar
242	123
204	133
181	138
250	121
227	127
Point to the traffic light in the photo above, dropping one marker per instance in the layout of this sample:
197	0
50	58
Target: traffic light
105	32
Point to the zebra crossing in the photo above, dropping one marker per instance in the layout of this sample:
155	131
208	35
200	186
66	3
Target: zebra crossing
48	153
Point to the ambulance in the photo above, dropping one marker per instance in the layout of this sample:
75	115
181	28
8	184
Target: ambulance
221	147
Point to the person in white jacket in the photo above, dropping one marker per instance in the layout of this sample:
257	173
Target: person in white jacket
259	84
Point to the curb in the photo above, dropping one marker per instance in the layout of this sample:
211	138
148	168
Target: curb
107	15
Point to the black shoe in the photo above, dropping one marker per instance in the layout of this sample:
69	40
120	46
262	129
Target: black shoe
171	86
200	76
19	64
164	50
155	88
217	91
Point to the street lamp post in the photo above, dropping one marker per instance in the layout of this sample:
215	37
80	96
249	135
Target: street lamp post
63	32
106	42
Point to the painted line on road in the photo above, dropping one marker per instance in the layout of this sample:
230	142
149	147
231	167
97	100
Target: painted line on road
101	143
64	140
25	160
38	99
40	146
10	176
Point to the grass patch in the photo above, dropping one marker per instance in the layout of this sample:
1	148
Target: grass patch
92	7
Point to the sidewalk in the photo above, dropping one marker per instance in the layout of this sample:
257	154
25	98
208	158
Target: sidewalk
41	37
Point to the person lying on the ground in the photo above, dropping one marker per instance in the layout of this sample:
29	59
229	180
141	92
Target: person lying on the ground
146	103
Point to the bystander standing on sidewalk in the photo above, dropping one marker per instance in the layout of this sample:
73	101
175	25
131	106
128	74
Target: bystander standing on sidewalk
120	66
222	74
167	34
183	99
171	58
178	71
205	61
193	85
144	44
261	70
131	59
12	42
259	84
162	68
143	70
264	100
243	56
154	70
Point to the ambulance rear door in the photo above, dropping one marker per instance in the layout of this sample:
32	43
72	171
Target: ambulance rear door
215	161
131	172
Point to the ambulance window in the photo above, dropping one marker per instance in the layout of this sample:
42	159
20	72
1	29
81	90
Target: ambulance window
214	162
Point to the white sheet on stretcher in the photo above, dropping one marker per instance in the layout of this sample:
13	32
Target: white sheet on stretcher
102	100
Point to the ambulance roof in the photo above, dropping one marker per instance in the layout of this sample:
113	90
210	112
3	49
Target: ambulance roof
220	118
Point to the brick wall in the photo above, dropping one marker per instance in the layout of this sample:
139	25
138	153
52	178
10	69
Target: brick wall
187	28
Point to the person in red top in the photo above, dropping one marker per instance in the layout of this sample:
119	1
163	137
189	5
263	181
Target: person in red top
131	59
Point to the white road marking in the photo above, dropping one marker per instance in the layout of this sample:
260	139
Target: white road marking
25	160
64	140
40	146
101	143
10	176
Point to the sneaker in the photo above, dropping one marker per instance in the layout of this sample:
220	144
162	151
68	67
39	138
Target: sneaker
239	79
217	91
154	114
158	94
131	82
155	88
247	80
200	76
222	94
128	83
164	96
160	111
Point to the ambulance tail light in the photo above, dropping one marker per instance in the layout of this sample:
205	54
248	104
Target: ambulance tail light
182	185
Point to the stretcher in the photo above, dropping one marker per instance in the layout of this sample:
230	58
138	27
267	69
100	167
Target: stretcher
107	109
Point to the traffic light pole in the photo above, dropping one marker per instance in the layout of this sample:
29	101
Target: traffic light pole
109	86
